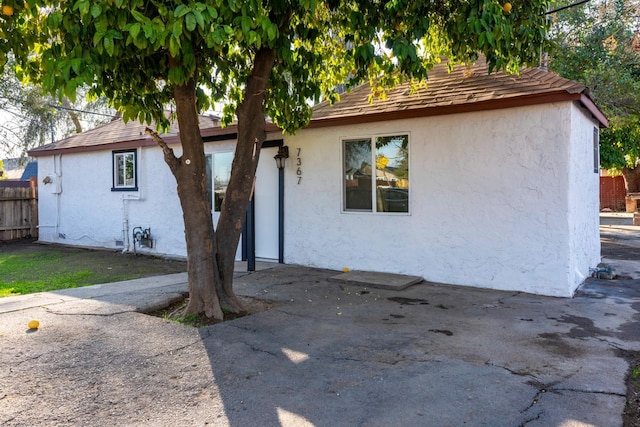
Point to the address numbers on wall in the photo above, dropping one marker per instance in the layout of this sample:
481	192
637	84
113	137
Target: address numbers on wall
298	165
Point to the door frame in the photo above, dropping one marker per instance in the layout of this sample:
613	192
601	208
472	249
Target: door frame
248	239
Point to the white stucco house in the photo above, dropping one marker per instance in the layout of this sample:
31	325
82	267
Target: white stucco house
479	180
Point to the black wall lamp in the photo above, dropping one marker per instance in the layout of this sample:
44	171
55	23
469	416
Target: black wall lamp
283	154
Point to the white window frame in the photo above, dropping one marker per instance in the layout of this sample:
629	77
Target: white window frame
212	155
374	207
116	186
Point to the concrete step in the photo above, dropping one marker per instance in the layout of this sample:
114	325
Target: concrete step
378	280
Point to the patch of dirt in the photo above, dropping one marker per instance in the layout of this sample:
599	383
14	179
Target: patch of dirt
174	312
631	415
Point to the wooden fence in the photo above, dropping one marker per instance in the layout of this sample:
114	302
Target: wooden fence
612	193
19	210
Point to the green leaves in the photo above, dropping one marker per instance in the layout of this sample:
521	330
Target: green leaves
593	45
96	10
135	51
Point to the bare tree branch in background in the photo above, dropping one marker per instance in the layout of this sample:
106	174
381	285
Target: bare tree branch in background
28	120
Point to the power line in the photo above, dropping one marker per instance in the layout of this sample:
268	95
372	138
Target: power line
59	107
578	3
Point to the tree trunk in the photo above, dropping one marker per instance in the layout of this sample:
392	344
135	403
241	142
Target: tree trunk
631	177
251	135
211	255
190	173
74	117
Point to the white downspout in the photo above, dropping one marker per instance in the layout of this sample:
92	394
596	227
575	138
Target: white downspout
125	225
57	171
125	204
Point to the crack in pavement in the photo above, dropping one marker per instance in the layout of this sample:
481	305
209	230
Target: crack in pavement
606	393
550	388
254	348
609	343
29	359
542	389
93	314
177	349
529	420
511	371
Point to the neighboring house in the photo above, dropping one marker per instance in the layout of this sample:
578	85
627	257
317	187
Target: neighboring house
13	168
17	175
30	171
480	180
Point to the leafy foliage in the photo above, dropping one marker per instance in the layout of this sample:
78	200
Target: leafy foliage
597	44
134	51
620	144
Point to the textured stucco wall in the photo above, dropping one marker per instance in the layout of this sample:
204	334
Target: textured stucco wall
90	214
584	201
503	199
87	213
489	202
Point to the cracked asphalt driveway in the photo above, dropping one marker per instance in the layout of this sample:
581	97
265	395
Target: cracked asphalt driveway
324	355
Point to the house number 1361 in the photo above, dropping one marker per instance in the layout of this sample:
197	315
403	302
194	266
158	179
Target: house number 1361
298	165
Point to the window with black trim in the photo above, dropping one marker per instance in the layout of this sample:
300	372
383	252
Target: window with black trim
125	176
596	150
376	174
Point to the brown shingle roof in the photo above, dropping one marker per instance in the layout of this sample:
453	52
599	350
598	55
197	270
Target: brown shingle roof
462	90
117	134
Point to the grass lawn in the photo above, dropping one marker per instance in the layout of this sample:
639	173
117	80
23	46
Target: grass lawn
26	267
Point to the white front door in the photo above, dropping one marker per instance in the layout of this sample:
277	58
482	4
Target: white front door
265	198
266	205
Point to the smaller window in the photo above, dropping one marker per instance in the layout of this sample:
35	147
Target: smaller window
596	150
125	177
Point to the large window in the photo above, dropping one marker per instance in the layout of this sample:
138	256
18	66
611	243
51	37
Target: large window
376	174
124	171
218	174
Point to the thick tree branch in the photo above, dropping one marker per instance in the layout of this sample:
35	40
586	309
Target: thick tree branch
74	117
169	156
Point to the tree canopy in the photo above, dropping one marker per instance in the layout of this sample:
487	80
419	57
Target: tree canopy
133	51
598	44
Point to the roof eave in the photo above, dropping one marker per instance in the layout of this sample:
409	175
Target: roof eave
493	104
588	103
118	145
230	131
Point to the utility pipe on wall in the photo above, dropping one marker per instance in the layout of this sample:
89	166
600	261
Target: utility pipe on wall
126	198
57	172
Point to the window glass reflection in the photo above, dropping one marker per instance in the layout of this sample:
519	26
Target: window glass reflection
392	173
357	174
221	175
